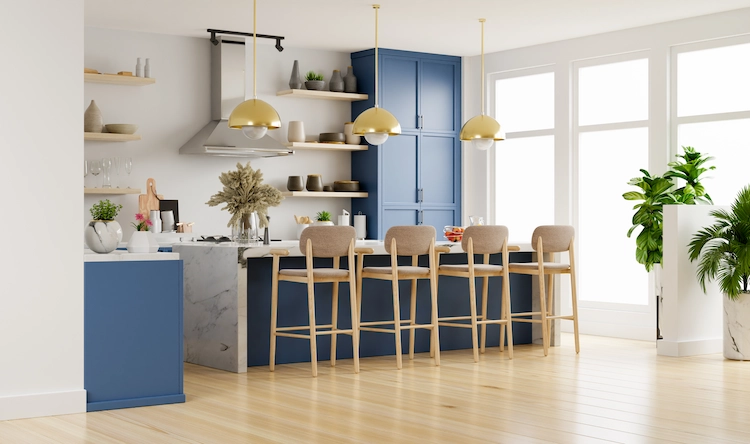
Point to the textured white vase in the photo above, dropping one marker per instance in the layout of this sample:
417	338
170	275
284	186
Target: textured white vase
737	327
93	122
300	228
103	236
296	131
351	138
142	242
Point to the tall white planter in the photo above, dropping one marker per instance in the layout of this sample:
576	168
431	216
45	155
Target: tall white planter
103	236
737	327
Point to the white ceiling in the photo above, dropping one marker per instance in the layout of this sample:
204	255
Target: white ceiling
436	26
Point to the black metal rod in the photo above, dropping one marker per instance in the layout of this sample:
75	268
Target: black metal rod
245	34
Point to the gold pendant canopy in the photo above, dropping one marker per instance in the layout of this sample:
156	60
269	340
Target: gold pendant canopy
254	112
376	120
482	127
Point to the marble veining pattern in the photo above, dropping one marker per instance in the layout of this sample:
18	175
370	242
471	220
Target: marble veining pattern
214	305
737	327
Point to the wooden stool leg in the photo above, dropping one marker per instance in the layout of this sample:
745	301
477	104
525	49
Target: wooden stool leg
503	315
397	322
485	291
435	329
274	314
543	313
413	317
334	321
313	334
473	312
355	321
574	298
507	312
550	307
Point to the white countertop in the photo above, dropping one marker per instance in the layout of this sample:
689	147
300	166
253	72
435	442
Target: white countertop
122	255
260	250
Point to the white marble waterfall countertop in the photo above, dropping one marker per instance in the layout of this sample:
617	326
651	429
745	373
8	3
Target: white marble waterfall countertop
122	255
260	250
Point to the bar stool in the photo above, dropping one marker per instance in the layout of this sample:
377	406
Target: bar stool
321	242
484	240
549	239
404	241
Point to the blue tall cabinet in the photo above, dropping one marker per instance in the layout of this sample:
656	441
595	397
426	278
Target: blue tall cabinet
414	178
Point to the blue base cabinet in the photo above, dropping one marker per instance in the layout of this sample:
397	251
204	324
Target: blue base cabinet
133	334
414	178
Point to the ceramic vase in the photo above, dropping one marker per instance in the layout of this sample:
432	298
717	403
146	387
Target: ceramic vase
92	119
147	69
294	81
300	228
351	138
142	242
314	182
350	82
294	183
296	131
336	84
103	236
138	68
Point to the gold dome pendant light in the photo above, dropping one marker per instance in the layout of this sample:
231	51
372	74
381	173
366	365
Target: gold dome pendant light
482	130
254	117
376	124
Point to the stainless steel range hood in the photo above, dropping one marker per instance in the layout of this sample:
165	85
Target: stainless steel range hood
228	91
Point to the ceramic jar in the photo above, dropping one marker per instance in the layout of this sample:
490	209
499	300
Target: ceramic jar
92	119
296	131
301	227
351	139
294	81
336	84
350	82
314	182
103	236
143	242
294	183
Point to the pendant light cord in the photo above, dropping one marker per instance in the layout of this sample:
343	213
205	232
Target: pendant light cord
376	7
482	22
255	52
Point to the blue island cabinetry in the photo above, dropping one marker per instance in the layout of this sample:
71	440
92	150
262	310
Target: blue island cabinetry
414	178
132	330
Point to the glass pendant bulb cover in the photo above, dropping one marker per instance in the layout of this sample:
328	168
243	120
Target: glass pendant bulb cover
254	132
482	144
376	138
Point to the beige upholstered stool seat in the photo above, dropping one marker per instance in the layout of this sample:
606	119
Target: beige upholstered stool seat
548	266
479	269
403	271
317	273
484	240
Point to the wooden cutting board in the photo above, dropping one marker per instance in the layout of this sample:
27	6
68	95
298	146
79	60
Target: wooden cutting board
150	200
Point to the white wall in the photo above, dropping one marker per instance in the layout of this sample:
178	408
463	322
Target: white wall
171	111
41	301
656	40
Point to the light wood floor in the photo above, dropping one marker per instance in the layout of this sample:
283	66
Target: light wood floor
616	390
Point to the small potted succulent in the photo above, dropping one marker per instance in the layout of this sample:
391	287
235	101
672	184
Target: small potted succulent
103	233
314	81
323	218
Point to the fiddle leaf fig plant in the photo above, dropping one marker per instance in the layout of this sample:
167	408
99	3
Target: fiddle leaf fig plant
657	191
724	248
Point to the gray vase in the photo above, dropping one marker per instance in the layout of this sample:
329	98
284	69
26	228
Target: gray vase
294	81
350	82
92	119
336	84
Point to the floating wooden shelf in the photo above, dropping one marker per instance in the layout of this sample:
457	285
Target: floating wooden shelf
111	137
324	193
118	80
111	191
326	95
326	146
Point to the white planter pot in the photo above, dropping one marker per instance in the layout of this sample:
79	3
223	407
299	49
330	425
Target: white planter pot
301	227
103	236
737	327
323	223
142	242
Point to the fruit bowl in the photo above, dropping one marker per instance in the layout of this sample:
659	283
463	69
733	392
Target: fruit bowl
453	234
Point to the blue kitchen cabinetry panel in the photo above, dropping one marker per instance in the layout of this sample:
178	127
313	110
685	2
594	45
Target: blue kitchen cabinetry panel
133	334
420	170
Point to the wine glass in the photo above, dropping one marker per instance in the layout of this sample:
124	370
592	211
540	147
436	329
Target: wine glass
96	168
118	167
106	169
85	171
128	166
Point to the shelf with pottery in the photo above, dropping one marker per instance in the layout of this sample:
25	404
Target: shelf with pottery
326	146
115	79
110	137
326	95
112	191
324	194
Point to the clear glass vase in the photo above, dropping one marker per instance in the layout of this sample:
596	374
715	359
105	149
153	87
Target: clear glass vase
245	230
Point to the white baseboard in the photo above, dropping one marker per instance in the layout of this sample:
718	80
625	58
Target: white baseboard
612	330
689	348
42	404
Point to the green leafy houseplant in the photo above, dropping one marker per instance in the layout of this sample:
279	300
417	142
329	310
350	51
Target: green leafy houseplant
311	75
657	191
104	210
323	216
245	193
723	249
